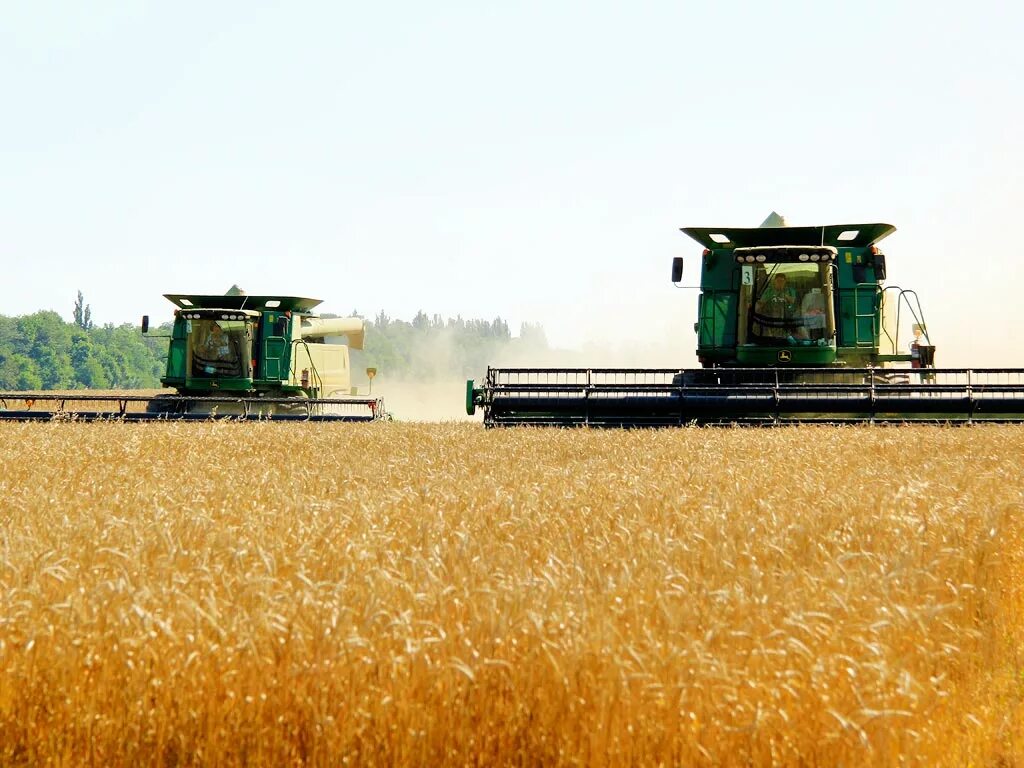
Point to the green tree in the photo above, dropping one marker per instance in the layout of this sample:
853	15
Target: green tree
42	351
89	371
46	339
82	313
18	372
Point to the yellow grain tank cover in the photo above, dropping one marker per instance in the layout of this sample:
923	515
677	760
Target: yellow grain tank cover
354	328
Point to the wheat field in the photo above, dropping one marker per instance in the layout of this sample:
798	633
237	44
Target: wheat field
437	594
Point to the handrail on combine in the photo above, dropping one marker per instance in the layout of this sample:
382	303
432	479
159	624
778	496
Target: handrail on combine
918	316
857	291
317	381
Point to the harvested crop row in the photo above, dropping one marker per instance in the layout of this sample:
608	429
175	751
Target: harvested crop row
272	594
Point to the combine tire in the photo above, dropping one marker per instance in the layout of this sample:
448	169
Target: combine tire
696	378
164	405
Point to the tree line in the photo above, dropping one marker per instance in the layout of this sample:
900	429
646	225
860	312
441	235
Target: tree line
43	351
431	347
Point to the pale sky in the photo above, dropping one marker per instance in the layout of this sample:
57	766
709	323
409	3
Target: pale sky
532	160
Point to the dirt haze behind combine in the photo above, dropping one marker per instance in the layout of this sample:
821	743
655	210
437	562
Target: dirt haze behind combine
438	393
429	401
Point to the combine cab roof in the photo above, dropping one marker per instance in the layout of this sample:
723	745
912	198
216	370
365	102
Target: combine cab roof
282	303
836	235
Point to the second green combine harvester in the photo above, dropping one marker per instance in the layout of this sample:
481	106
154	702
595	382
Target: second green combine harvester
233	356
261	356
794	324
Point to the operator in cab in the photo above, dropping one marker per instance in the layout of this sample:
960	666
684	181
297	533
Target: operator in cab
217	345
776	305
778	299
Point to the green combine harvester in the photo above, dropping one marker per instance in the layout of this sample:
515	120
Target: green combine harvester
237	357
794	324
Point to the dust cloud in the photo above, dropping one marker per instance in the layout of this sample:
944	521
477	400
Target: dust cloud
436	391
426	400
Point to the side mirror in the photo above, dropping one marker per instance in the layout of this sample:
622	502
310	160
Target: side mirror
880	267
145	323
677	269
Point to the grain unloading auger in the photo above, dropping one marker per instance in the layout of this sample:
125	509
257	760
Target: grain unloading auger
236	357
793	325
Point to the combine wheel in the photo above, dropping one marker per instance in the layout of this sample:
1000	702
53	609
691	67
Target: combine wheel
699	378
165	405
298	408
887	377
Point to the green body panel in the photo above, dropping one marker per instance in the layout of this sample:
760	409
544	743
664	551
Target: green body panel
717	318
218	385
275	349
176	355
796	356
856	295
858	321
275	359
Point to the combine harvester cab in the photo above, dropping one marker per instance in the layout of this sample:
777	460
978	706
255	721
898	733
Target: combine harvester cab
236	356
794	324
797	297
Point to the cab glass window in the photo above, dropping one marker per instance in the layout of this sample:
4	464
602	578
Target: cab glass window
786	304
220	348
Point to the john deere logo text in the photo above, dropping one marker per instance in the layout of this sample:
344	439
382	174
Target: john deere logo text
785	355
